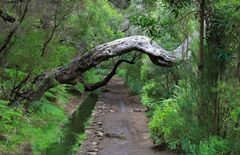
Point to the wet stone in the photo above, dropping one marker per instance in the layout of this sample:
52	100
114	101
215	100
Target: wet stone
112	111
137	110
92	153
93	150
100	134
99	123
100	102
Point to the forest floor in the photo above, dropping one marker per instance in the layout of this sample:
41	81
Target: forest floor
119	125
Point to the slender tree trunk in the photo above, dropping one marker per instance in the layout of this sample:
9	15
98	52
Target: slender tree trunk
201	45
45	45
8	39
201	102
238	66
56	25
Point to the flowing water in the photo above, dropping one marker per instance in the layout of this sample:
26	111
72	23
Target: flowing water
74	128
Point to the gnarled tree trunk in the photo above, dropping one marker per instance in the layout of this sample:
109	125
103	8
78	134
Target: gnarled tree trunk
72	72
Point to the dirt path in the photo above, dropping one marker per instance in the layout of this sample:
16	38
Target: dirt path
119	126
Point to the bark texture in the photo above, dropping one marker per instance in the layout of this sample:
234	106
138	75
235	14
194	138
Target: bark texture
72	72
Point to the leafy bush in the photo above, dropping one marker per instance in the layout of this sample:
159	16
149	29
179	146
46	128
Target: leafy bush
214	146
174	120
150	94
40	129
91	76
46	125
161	83
121	73
229	101
136	86
80	87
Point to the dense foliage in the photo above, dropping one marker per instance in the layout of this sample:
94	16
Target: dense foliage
193	107
50	35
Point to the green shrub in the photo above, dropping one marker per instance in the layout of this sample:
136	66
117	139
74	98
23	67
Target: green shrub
135	85
80	87
91	76
150	95
229	102
214	146
40	129
121	73
13	125
174	120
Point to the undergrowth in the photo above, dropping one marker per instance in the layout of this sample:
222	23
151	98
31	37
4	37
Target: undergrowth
40	128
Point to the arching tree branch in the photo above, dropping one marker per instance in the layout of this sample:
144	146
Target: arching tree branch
74	70
91	87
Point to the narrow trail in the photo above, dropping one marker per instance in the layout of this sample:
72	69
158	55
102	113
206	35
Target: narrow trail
119	126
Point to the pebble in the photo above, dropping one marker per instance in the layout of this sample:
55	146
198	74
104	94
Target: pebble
137	110
111	111
100	134
99	123
92	153
100	102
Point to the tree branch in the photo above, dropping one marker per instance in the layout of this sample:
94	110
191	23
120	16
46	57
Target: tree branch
75	69
20	85
56	25
184	16
91	87
8	39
